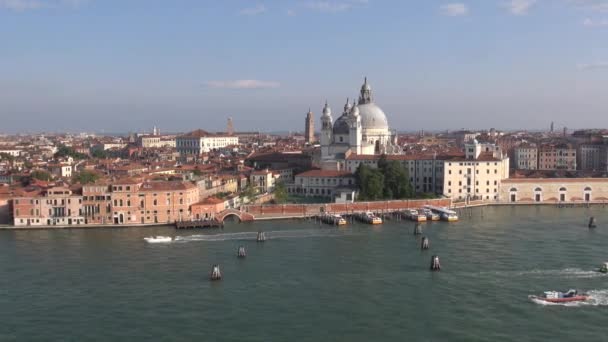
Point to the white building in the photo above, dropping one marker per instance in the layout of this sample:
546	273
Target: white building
324	183
526	157
200	141
362	129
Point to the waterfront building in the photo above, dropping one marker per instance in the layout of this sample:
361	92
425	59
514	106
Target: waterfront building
55	206
591	157
554	190
60	170
557	157
207	208
96	203
526	157
324	183
200	141
309	129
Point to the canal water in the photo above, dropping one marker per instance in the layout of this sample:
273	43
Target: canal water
309	282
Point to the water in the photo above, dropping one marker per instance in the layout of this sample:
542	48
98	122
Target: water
310	283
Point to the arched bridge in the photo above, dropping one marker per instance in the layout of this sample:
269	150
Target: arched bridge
241	215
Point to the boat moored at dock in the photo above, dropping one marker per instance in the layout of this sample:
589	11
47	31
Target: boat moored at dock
430	215
415	215
332	219
368	217
445	213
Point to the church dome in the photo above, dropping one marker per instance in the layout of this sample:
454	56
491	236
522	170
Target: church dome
341	125
372	117
326	110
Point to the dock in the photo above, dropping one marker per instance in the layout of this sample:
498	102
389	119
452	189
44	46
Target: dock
445	213
197	224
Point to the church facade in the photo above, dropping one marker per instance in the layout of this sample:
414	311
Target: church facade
362	129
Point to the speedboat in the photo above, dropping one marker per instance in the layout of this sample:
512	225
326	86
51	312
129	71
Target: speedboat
604	268
158	239
562	297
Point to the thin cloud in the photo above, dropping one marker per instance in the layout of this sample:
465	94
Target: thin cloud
593	66
454	9
243	84
27	5
595	23
291	12
592	5
21	5
519	7
258	9
334	6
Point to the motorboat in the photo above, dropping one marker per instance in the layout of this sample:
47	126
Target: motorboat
158	239
372	218
417	216
340	221
604	268
430	215
562	297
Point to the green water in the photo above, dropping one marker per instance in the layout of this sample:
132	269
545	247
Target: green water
310	283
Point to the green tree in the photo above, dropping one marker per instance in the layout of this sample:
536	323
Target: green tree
7	157
280	193
249	192
370	182
99	154
40	175
86	177
66	151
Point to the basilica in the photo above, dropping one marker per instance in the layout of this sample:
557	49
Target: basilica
362	128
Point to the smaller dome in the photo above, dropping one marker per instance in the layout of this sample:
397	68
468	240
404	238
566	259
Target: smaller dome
341	125
355	111
366	86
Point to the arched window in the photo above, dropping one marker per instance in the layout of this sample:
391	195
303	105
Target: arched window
513	189
587	189
562	189
538	189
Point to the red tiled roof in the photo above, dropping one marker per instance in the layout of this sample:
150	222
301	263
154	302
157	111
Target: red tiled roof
555	180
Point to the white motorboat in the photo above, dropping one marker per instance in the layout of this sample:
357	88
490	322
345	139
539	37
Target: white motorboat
158	239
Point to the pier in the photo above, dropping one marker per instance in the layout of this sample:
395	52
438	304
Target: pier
198	224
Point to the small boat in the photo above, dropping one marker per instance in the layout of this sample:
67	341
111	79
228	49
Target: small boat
340	220
449	216
430	215
604	268
158	239
561	297
417	216
372	218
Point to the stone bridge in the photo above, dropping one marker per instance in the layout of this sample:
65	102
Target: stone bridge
241	215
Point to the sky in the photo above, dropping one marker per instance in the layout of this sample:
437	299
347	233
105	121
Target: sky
129	65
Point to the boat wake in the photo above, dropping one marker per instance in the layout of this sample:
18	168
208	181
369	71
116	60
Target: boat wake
596	298
270	235
563	273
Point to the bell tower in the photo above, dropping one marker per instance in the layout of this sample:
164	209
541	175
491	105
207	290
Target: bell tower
326	131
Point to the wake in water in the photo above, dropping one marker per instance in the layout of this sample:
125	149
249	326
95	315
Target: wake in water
270	235
596	298
563	273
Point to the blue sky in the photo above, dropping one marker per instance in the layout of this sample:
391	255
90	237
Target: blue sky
127	65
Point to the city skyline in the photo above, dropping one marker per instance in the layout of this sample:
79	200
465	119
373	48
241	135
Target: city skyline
83	66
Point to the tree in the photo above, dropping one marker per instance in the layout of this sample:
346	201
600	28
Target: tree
40	175
66	151
280	193
370	182
86	177
389	181
7	157
99	154
248	193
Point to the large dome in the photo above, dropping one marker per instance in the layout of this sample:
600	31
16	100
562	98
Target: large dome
372	117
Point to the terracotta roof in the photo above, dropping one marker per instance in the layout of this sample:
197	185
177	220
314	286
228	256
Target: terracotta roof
166	186
325	173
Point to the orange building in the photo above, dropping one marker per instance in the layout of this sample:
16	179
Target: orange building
207	208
